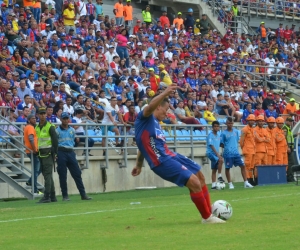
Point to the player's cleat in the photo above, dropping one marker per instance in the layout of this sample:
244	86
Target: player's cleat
214	188
212	220
220	179
231	186
248	185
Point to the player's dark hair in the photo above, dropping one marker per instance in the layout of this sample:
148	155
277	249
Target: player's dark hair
229	119
215	123
162	103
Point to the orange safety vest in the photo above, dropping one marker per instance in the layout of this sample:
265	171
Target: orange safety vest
263	32
247	142
271	145
261	138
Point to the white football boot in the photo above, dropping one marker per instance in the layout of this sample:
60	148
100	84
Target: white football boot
212	220
230	186
247	185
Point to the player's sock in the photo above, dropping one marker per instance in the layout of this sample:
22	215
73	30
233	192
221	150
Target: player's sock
213	184
201	204
219	175
206	195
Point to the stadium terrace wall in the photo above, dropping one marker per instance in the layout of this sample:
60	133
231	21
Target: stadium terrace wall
118	178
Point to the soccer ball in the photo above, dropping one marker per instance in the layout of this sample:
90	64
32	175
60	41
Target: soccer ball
220	186
222	209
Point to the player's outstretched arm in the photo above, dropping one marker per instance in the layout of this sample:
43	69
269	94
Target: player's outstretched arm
156	101
139	164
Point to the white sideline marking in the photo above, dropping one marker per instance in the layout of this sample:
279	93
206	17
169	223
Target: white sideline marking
133	208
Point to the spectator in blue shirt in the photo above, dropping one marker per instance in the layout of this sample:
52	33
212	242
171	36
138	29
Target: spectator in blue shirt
271	112
49	115
253	94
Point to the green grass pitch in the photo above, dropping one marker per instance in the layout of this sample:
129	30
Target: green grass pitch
263	218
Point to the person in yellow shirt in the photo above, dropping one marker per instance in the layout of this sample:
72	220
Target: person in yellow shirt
209	115
69	18
128	15
119	12
15	25
164	76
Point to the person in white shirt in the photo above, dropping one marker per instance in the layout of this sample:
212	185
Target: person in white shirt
168	53
102	99
271	62
63	55
231	49
110	54
214	93
79	130
68	106
82	8
114	67
109	118
48	32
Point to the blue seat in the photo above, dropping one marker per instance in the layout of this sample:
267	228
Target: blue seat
168	136
203	121
187	134
75	94
222	121
71	72
195	136
91	132
179	135
56	71
201	135
111	135
82	72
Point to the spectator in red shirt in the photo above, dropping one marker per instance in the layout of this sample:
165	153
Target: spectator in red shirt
165	22
259	111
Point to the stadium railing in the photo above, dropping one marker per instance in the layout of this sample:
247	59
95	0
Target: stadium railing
178	136
275	9
239	24
279	80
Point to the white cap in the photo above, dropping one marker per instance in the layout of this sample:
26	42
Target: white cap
156	58
220	52
161	33
90	77
128	42
76	21
139	43
214	30
111	46
133	36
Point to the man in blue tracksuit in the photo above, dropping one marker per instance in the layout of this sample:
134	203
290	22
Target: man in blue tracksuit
66	158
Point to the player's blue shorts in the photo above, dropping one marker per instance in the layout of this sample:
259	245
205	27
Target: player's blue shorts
214	161
177	170
234	161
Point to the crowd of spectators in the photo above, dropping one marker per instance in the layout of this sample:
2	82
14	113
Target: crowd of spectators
71	57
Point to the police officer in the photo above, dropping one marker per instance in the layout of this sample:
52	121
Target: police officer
66	158
47	150
287	128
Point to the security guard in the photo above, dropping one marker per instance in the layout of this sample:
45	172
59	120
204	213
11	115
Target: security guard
247	144
287	128
147	18
47	146
66	158
261	139
271	145
281	145
189	20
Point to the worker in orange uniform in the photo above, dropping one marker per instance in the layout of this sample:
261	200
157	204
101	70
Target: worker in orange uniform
128	16
247	144
261	139
178	22
271	145
282	148
165	22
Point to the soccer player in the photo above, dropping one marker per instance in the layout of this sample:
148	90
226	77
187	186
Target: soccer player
247	144
167	164
231	155
212	152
